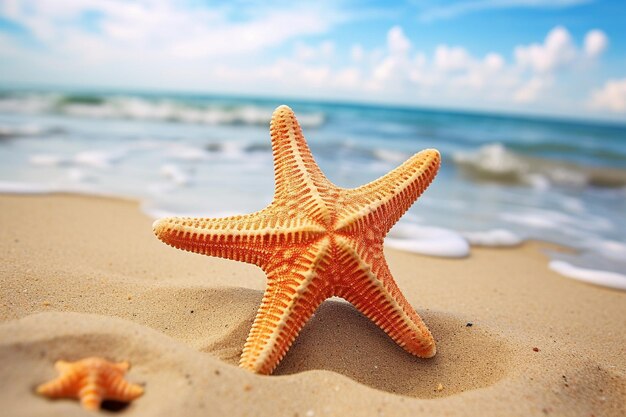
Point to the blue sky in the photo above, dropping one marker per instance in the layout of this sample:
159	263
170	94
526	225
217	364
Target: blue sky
558	57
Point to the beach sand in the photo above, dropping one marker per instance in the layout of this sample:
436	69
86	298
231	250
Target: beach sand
84	276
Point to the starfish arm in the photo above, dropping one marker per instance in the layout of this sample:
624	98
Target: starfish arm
122	366
293	293
66	385
300	184
375	294
91	391
249	238
240	238
383	201
62	366
118	389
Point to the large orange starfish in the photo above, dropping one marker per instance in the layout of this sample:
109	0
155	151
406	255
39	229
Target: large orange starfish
92	380
314	241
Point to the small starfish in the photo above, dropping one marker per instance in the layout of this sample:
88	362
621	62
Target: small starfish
92	380
314	241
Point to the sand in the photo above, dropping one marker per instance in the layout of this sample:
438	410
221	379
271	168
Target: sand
83	276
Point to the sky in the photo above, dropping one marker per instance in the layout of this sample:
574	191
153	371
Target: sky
551	57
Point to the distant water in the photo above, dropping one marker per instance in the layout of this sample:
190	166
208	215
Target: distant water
503	179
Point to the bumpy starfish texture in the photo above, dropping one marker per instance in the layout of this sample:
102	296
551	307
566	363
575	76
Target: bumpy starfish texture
314	241
92	380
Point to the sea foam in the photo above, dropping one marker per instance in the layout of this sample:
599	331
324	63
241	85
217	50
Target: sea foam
15	187
146	109
496	163
493	238
176	174
592	276
428	240
98	158
48	160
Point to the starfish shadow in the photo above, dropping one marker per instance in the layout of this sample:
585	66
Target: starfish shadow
340	339
114	406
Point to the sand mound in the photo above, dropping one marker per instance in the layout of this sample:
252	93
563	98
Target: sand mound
341	340
338	339
180	380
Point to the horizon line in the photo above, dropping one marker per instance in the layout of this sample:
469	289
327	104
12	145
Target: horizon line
389	104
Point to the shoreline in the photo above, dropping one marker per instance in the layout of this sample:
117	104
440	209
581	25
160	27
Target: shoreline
84	276
565	269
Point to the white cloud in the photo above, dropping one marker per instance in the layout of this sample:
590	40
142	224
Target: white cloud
557	51
455	9
164	27
612	96
489	75
306	52
450	73
494	62
530	90
348	78
357	53
451	58
450	70
208	49
393	69
397	42
595	43
396	70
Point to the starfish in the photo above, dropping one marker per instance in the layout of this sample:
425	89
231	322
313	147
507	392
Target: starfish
92	380
314	241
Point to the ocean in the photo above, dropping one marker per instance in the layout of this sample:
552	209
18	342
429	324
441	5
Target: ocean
503	179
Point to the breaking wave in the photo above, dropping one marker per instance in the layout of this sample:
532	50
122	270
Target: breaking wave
140	108
496	163
11	132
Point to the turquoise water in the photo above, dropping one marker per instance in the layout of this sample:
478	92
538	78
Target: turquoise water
502	180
